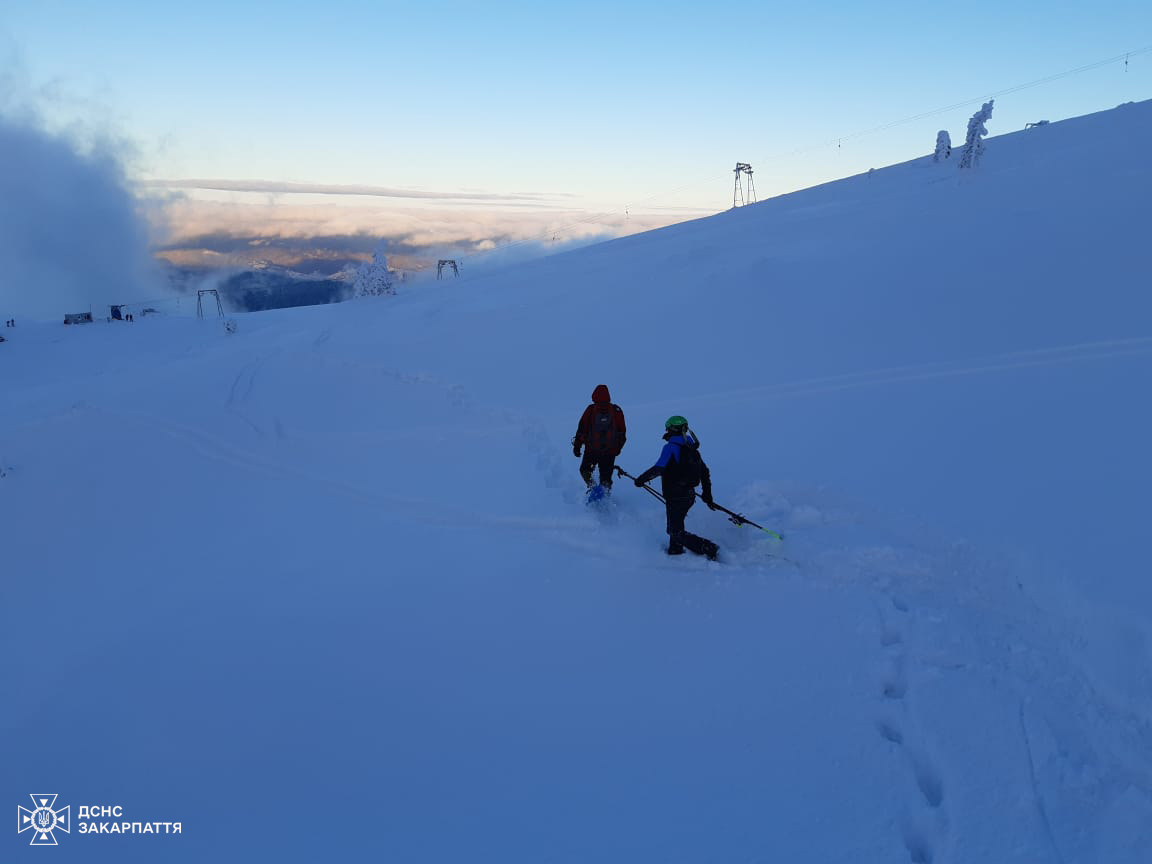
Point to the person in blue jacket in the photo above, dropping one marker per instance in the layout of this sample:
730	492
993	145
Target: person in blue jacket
681	469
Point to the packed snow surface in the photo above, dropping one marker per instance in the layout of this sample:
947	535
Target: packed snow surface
326	588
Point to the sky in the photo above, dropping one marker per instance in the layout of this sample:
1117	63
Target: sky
557	122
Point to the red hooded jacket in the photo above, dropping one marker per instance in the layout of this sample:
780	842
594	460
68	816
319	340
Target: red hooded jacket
600	440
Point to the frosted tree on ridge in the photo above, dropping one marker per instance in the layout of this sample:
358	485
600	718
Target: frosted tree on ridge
943	146
974	144
373	279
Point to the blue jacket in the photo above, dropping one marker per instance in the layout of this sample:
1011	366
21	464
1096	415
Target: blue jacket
672	482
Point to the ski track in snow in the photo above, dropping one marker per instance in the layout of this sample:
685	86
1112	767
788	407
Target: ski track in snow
216	448
1077	353
1037	795
241	391
220	450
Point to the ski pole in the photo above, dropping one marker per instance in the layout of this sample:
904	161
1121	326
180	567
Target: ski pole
734	518
620	472
739	519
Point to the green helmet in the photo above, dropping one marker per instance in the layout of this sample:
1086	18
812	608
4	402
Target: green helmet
675	422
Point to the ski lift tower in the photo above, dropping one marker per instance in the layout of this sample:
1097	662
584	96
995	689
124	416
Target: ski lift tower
746	192
447	262
200	302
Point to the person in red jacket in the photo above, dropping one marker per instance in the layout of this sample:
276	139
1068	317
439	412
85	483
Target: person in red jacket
601	433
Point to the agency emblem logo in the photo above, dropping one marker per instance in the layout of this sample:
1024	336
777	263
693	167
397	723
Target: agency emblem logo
43	819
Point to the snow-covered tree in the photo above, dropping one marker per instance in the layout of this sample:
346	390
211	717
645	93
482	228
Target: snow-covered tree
974	143
373	278
943	146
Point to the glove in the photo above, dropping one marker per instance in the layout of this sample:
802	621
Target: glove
706	497
638	482
576	450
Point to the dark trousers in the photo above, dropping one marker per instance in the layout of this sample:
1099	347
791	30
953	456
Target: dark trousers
676	509
678	538
604	461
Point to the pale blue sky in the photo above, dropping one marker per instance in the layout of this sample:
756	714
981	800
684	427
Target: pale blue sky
621	105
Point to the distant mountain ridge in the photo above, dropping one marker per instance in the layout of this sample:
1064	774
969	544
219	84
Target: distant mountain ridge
265	287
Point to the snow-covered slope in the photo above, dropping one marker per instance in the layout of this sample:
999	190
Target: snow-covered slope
326	587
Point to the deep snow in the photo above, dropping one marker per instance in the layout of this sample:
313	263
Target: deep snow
325	587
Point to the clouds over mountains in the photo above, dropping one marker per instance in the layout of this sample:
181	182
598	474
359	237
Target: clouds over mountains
322	230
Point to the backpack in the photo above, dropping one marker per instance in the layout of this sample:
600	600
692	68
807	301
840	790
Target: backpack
602	433
688	469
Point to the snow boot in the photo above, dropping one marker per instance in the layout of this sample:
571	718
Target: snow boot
699	545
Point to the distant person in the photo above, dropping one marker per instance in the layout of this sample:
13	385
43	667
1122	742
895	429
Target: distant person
601	433
681	469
